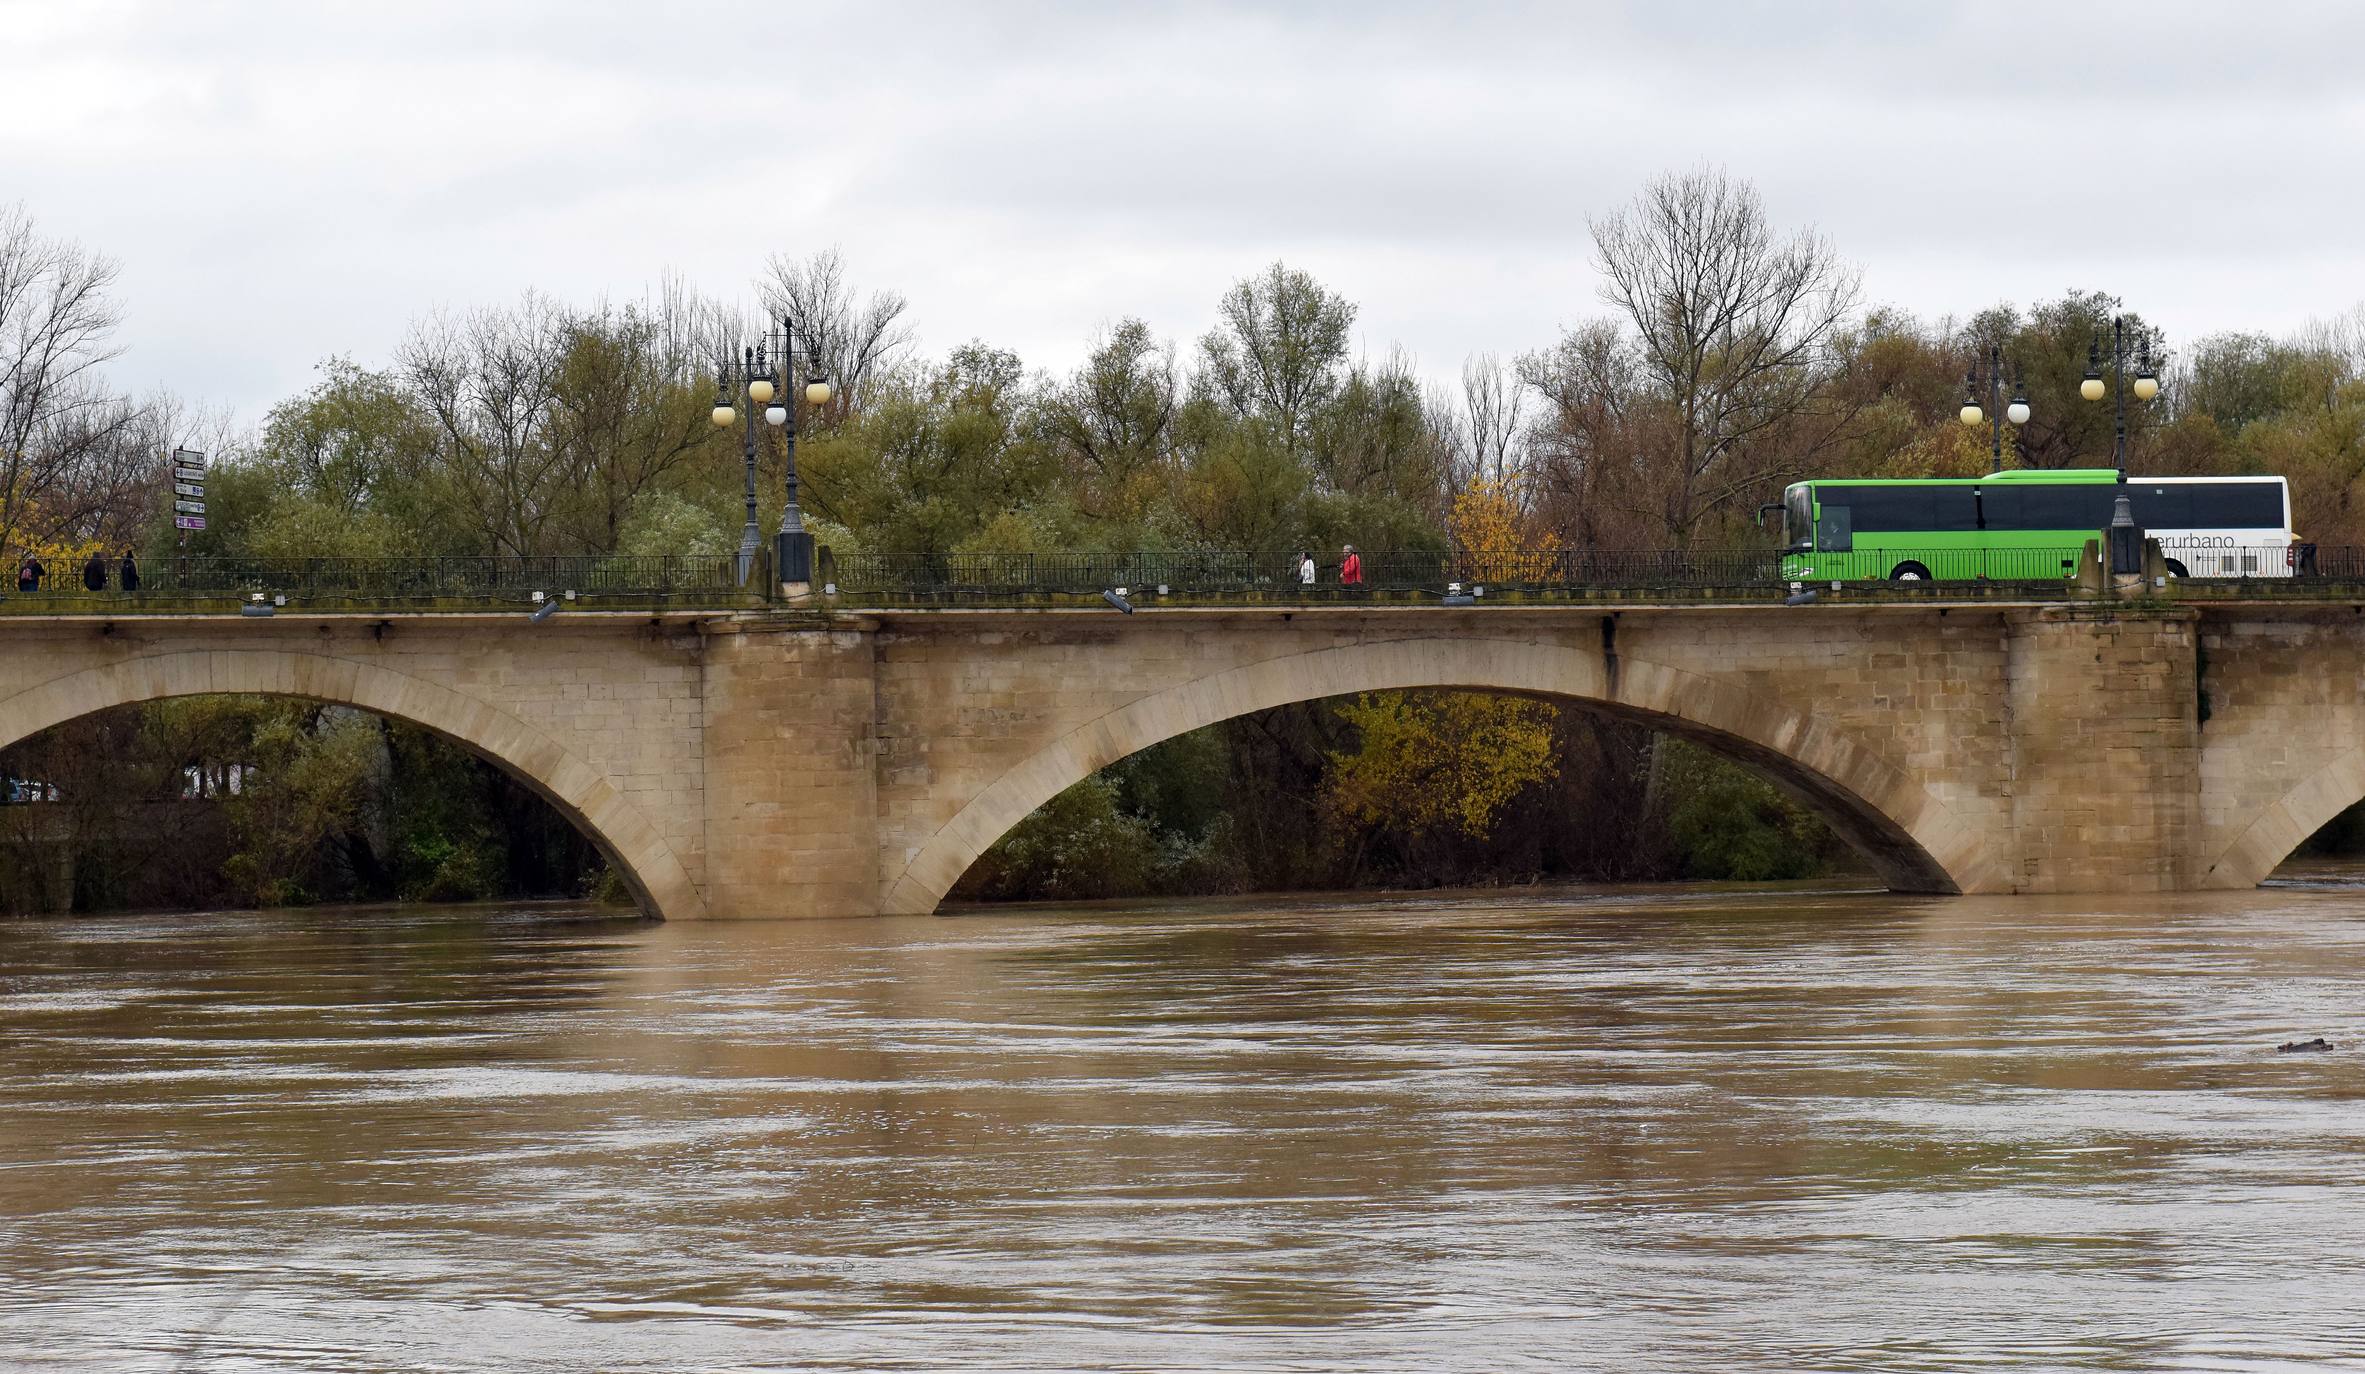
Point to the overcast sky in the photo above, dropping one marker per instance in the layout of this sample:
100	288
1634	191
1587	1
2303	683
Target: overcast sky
284	181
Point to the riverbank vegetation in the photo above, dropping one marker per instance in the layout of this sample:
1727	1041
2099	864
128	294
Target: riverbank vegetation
1727	356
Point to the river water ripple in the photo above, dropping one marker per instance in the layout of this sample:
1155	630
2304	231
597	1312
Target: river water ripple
1618	1129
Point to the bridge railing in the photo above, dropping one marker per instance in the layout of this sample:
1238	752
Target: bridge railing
986	577
2298	570
1193	574
1223	572
494	581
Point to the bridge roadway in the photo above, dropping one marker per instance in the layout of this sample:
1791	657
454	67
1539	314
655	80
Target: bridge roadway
803	763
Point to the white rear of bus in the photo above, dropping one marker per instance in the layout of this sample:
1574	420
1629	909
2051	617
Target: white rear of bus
2241	544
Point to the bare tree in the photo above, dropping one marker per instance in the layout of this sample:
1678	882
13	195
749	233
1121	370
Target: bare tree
1493	407
1589	448
67	441
698	328
486	381
93	474
2340	340
857	342
1733	326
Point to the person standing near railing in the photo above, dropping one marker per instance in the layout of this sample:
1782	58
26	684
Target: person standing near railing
29	573
129	574
1350	567
1305	569
94	573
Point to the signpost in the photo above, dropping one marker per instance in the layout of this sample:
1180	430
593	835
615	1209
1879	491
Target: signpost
188	484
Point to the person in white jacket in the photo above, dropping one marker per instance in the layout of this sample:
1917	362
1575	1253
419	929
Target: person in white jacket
1305	569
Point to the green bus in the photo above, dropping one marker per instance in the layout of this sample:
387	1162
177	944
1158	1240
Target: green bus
2027	525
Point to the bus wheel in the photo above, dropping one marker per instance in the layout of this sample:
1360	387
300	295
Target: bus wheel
1909	572
2176	569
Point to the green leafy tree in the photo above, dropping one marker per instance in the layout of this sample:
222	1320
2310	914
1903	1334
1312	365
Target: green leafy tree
1728	823
629	421
1078	845
357	441
936	458
663	524
2052	348
1279	353
1110	426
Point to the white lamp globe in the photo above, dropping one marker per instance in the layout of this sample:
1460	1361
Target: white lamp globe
1971	414
2017	412
776	416
2091	388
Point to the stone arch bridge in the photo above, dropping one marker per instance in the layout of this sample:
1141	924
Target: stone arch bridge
766	764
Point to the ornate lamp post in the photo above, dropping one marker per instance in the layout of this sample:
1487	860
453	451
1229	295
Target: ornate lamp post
792	546
1995	412
2147	381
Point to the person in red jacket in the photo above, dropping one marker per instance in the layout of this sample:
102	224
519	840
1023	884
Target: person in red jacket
1351	568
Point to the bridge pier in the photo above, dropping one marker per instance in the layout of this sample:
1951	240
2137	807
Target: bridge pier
790	752
2105	748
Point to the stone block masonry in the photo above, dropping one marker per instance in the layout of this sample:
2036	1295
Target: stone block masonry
752	765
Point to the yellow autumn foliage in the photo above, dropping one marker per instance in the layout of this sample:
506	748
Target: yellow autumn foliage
56	548
1948	448
1493	532
1434	761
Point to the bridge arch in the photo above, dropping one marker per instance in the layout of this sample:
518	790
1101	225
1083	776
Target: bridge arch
2284	826
643	860
1913	840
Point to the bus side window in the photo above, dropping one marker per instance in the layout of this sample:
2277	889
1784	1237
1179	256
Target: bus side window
2063	506
2067	506
2162	507
1835	529
1874	508
2238	506
1953	510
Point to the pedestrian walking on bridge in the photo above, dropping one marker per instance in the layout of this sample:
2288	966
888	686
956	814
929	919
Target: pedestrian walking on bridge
1350	567
94	573
130	573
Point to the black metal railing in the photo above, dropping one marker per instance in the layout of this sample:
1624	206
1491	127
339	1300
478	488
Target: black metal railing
1202	573
397	580
1175	575
1219	573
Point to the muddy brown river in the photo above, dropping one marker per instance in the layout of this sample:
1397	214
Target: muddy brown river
1662	1129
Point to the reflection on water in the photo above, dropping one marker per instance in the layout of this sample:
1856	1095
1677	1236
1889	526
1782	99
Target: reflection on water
1618	1129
